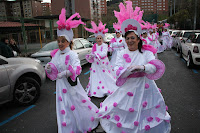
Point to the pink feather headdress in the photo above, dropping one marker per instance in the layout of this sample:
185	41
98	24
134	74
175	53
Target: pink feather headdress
166	26
129	18
97	30
154	26
65	26
117	27
128	13
144	27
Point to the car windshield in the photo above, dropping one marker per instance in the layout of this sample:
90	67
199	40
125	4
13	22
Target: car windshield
50	46
187	34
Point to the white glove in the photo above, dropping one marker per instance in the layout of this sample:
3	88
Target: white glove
62	74
48	68
137	69
126	73
92	55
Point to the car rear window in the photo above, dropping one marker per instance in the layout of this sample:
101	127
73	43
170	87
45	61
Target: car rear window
78	45
86	43
187	34
178	34
50	46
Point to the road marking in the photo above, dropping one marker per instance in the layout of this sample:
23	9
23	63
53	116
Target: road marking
176	54
183	60
87	72
16	115
195	71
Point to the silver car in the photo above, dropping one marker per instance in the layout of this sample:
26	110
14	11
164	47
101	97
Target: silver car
81	47
21	79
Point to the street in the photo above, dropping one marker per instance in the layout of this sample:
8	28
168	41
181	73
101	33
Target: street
180	88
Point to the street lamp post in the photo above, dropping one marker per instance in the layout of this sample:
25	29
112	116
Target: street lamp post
195	14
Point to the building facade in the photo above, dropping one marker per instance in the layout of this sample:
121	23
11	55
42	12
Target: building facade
152	6
46	9
103	7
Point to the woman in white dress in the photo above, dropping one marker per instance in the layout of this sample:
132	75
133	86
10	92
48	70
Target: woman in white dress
160	47
116	44
137	106
167	39
102	79
75	112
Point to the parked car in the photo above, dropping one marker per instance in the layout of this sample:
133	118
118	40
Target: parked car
21	79
190	50
81	47
173	35
183	36
92	39
108	37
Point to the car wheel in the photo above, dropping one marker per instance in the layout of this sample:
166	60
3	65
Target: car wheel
177	49
27	91
189	63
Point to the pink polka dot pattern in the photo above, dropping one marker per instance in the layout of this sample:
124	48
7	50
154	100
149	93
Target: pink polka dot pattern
72	108
119	125
60	98
149	119
157	119
131	110
147	127
62	112
146	86
136	123
92	119
89	107
64	124
83	101
64	90
117	118
129	93
115	104
144	104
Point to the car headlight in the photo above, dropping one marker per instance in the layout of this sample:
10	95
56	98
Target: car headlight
38	61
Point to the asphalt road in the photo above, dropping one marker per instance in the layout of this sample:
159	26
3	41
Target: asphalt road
180	88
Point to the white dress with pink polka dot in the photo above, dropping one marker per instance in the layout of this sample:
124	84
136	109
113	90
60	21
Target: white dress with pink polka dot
137	106
75	112
102	79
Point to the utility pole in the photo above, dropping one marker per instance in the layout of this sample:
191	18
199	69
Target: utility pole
195	14
170	7
174	6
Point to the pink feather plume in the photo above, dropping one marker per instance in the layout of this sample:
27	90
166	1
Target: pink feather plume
69	23
95	29
128	12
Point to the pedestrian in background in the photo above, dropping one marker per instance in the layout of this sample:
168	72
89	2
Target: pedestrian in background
14	46
116	44
102	77
75	112
5	50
